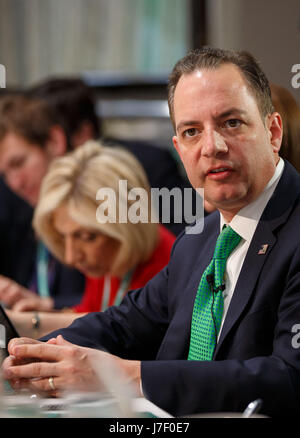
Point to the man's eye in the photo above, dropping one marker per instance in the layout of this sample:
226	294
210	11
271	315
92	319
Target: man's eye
232	123
17	162
191	132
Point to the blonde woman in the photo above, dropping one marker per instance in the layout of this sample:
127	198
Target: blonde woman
115	255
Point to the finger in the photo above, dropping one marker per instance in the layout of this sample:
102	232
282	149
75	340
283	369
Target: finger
61	341
8	362
15	362
40	386
12	361
61	385
43	384
34	386
40	350
20	341
52	341
31	370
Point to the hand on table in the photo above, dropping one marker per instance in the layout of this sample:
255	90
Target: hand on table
32	363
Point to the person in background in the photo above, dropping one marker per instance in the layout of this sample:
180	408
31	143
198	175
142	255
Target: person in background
70	109
114	257
74	104
15	219
286	105
30	138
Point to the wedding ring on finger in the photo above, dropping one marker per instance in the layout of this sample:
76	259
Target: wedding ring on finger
51	383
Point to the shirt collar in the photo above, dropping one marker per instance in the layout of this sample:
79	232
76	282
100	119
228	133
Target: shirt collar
245	221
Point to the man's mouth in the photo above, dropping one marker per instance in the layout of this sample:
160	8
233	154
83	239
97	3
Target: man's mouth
219	173
222	169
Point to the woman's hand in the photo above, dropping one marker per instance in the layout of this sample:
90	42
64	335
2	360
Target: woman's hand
32	364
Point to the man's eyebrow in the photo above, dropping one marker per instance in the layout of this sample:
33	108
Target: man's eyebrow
230	112
187	123
224	114
13	160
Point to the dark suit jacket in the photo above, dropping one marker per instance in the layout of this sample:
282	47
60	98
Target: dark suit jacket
255	356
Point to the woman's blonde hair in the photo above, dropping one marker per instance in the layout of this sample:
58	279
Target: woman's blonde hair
74	180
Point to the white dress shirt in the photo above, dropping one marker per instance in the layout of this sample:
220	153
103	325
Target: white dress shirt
245	223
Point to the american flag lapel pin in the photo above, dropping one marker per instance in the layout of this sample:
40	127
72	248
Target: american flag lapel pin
263	249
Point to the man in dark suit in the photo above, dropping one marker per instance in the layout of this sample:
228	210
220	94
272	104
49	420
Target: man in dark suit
228	137
30	137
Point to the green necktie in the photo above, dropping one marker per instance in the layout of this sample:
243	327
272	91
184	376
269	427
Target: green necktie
204	329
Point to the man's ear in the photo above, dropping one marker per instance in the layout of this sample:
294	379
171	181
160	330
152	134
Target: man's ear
57	143
176	145
276	130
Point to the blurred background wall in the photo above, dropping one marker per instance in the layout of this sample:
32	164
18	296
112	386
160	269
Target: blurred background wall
45	37
270	29
125	49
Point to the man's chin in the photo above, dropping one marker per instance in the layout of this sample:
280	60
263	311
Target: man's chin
31	200
226	201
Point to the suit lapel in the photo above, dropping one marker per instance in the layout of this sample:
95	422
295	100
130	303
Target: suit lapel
254	261
276	213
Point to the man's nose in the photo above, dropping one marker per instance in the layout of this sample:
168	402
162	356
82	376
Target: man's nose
212	143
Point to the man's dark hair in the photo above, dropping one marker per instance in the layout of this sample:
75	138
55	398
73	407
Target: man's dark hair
71	100
211	58
26	117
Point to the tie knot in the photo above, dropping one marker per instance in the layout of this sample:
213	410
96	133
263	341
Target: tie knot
226	242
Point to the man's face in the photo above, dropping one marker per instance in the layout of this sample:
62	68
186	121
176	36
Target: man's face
23	166
224	144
